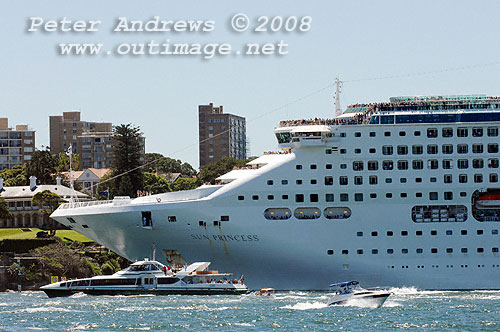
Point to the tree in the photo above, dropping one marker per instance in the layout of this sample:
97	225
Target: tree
43	166
47	201
62	162
184	184
157	163
15	176
4	209
155	184
209	173
126	160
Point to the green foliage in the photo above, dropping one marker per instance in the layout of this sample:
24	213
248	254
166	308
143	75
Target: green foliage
184	184
4	209
43	166
155	184
62	162
15	176
209	173
126	160
107	269
157	163
13	270
47	201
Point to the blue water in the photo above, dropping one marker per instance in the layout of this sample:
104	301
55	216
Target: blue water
407	309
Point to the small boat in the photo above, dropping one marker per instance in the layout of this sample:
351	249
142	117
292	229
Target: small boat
152	277
488	201
351	290
265	292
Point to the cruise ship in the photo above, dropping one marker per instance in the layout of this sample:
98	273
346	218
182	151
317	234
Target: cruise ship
399	193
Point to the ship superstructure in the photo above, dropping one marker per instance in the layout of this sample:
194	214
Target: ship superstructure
403	193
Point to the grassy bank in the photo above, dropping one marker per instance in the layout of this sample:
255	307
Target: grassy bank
17	233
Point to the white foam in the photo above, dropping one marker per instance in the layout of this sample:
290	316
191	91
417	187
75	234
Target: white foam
306	306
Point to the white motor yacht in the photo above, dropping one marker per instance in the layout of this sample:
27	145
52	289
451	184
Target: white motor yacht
152	277
345	292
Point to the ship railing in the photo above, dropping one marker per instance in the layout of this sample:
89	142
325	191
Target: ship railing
83	204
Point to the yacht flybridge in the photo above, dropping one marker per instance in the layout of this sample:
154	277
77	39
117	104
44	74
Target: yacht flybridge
152	277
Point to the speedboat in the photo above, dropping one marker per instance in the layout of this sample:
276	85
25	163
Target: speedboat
265	292
348	291
152	277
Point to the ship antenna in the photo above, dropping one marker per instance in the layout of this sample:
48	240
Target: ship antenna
338	90
72	198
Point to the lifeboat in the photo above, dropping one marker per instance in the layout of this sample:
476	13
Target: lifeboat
488	201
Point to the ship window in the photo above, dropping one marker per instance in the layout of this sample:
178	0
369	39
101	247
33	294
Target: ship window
357	165
345	252
374	251
462	178
284	182
374	233
447	178
402	150
328	151
447	164
147	220
373	179
404	251
270	182
307	213
463	194
314	181
463	250
477	132
299	198
492	132
478	178
298	166
388	195
462	132
329	252
493	148
357	134
387	165
448	195
433	232
463	163
477	148
402	165
404	233
172	219
344	197
359	234
313	166
402	180
357	151
299	182
462	148
240	198
463	232
447	149
387	150
328	166
284	196
432	164
493	163
343	151
417	149
493	177
372	134
390	251
418	194
480	250
434	250
416	133
85	226
432	149
402	133
447	132
277	214
418	180
167	281
432	132
313	197
403	195
358	197
418	164
201	223
387	133
71	220
343	180
270	197
373	195
358	180
359	251
372	165
449	232
449	250
480	232
494	249
328	180
255	197
343	166
433	179
494	232
439	213
372	150
420	250
418	233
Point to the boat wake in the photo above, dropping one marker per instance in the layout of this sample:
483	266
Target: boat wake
306	306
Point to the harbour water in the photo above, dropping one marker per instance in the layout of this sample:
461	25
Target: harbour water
407	309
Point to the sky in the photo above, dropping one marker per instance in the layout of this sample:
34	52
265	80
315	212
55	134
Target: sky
378	48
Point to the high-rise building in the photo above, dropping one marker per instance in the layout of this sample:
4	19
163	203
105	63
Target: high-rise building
220	135
16	145
91	140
